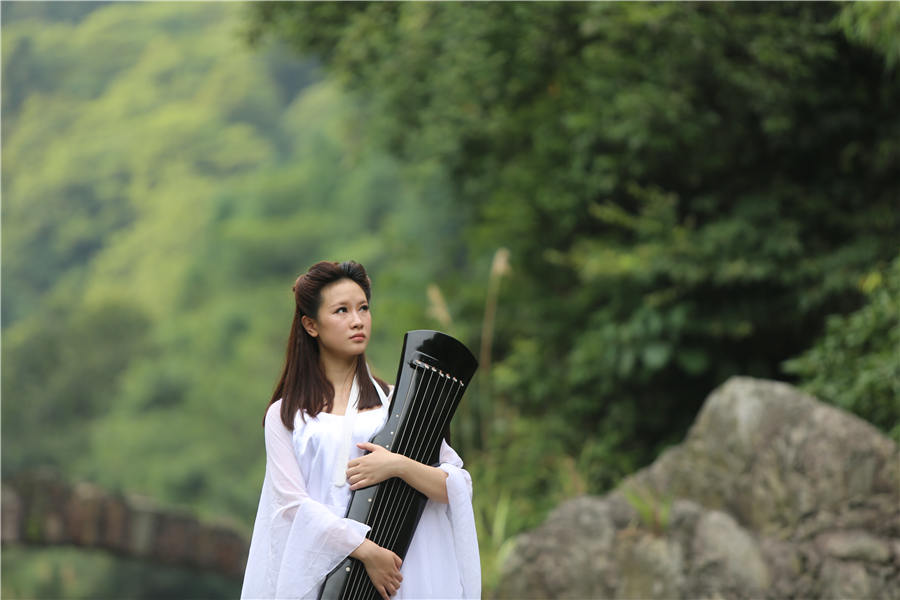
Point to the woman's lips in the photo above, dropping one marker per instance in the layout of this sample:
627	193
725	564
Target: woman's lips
358	336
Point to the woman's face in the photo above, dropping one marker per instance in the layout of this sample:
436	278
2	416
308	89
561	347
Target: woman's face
344	323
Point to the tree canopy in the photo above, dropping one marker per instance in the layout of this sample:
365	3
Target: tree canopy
686	190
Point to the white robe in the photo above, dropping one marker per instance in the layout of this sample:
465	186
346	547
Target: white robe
300	533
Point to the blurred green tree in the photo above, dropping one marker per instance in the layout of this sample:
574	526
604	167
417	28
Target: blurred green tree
856	362
687	190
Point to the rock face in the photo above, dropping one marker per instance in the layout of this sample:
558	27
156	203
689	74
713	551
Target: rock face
771	495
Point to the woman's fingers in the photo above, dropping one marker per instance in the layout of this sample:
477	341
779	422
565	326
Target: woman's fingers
373	468
383	570
353	477
357	481
390	588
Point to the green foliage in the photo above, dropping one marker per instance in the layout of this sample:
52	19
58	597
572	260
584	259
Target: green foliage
687	190
874	24
122	326
856	362
517	480
163	186
62	380
653	512
75	574
495	543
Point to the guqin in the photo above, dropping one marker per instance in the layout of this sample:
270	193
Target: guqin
434	371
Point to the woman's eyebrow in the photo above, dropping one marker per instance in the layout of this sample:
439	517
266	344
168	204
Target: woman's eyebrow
339	303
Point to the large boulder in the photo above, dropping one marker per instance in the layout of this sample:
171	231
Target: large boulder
773	494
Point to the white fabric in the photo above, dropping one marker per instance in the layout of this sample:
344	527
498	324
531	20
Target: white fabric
339	476
300	535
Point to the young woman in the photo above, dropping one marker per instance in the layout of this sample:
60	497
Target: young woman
325	408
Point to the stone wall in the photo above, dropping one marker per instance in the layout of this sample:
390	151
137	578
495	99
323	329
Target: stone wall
772	495
38	508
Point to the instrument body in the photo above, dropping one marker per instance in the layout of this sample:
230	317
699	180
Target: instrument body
434	371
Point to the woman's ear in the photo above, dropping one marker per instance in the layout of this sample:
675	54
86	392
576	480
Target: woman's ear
309	325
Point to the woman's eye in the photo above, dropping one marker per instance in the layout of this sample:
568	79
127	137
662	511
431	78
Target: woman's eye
341	309
364	307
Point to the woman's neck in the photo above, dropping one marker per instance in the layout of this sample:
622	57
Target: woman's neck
340	373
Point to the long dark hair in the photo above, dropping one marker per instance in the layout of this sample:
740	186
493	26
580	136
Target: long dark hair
303	385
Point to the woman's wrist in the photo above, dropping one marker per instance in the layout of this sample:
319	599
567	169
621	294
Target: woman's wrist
401	466
365	550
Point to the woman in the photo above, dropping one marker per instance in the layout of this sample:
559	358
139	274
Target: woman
324	409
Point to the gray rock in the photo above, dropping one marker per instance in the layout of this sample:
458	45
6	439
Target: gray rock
648	567
842	580
776	495
561	569
727	560
856	545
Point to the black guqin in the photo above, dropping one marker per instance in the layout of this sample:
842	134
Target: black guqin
434	371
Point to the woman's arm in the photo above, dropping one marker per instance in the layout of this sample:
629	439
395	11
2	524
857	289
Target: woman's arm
382	464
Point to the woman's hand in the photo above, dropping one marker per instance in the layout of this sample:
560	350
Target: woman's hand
381	464
382	565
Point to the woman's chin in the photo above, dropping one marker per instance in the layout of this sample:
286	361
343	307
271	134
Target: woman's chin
357	350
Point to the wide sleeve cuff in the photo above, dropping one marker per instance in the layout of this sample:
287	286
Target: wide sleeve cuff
296	541
317	543
462	520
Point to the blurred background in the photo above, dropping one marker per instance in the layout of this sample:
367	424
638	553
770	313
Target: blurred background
616	206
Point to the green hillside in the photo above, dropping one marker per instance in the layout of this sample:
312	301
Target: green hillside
163	186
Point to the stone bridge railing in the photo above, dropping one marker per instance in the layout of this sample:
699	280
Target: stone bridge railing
39	508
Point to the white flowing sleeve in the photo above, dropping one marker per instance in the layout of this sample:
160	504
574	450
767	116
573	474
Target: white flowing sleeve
462	521
296	541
